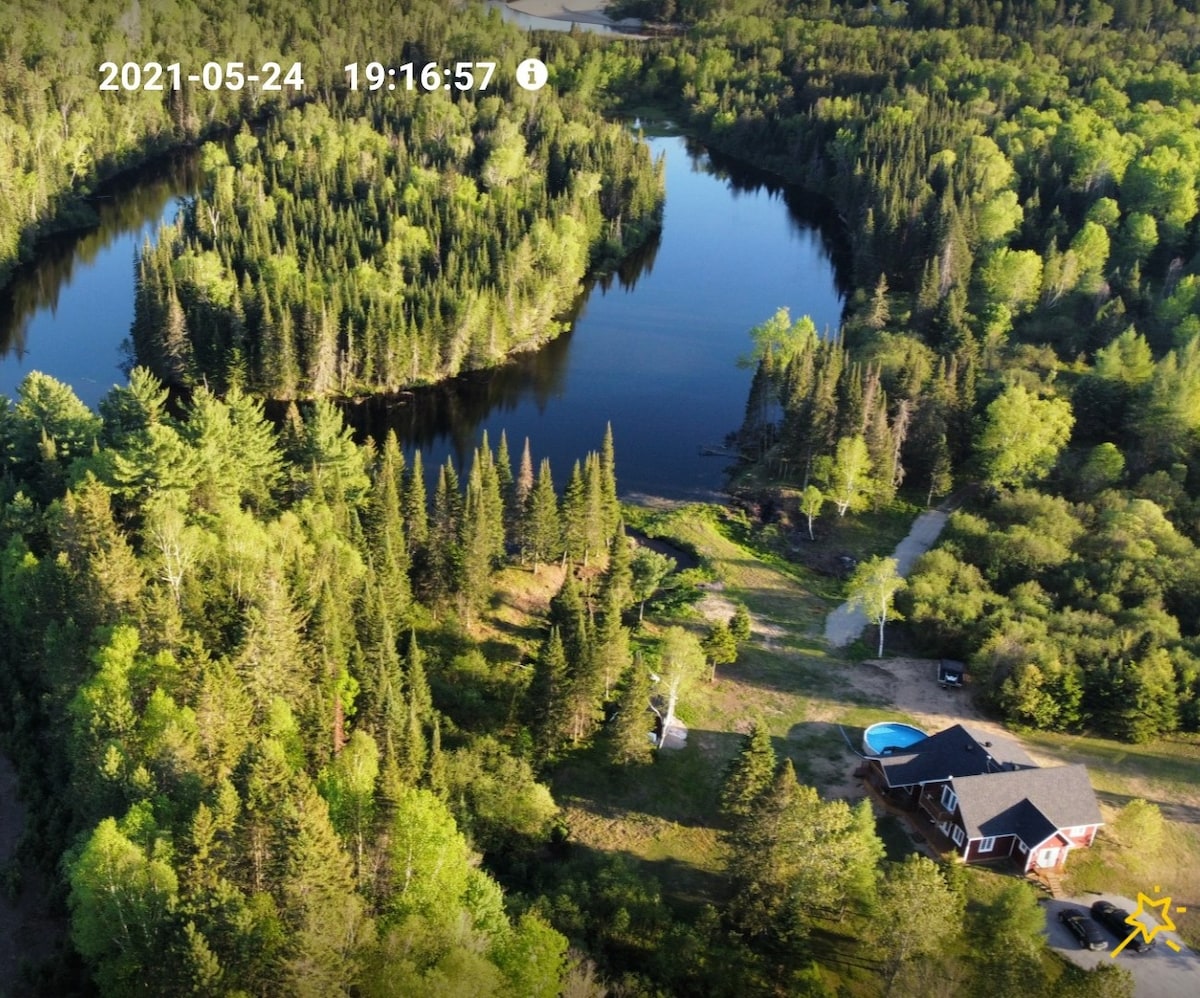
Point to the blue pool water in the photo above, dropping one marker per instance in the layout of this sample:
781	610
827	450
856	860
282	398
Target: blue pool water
890	736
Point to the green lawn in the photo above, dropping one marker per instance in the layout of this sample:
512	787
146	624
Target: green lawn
664	814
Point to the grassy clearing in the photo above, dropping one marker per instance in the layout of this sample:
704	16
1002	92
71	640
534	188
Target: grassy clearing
664	814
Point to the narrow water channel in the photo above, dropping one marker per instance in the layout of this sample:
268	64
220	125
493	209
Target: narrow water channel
653	349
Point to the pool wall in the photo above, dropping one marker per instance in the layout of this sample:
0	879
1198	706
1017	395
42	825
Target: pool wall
888	737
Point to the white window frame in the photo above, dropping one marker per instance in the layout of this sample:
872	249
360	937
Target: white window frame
1022	846
987	844
949	798
958	835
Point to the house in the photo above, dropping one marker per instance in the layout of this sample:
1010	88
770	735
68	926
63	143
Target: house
990	799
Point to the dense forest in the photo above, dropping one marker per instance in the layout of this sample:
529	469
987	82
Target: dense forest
377	247
214	672
1019	188
271	736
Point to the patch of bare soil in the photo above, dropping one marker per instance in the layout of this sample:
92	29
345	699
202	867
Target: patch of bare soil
910	685
714	606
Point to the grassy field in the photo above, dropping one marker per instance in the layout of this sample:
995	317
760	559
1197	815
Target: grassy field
664	815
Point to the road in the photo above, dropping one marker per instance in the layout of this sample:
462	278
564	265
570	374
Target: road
1158	973
847	623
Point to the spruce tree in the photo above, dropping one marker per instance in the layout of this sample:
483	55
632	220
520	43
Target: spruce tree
546	699
630	732
543	531
749	774
413	506
608	471
575	517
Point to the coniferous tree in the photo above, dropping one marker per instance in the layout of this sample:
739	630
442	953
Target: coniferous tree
608	483
575	517
749	774
546	700
385	528
631	729
616	584
475	546
413	506
507	488
543	531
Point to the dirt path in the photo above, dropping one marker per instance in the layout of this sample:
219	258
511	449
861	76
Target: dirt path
847	623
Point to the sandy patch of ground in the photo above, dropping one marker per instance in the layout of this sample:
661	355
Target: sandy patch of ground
910	685
589	11
714	606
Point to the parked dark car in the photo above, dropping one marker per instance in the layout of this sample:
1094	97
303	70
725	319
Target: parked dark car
1113	919
1084	929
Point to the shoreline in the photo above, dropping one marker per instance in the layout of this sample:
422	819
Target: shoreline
584	11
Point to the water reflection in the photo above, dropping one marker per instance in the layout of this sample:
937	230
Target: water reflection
88	277
654	345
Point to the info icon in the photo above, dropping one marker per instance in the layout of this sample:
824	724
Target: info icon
532	74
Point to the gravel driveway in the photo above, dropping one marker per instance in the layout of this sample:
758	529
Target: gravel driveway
845	624
1159	973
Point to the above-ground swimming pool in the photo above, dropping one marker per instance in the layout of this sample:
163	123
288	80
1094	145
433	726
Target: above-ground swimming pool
888	737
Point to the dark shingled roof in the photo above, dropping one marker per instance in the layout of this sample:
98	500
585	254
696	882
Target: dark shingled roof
1031	803
956	751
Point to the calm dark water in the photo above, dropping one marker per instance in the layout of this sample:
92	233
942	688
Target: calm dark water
653	349
67	313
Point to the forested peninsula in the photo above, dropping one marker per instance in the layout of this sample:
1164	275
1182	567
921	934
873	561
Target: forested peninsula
292	716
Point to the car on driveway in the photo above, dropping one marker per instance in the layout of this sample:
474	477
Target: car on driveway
1113	919
1083	928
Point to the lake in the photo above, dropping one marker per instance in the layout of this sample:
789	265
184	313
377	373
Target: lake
653	348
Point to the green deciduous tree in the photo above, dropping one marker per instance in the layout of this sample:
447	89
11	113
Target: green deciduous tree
811	501
847	475
873	588
1022	436
649	570
123	898
680	662
720	647
917	916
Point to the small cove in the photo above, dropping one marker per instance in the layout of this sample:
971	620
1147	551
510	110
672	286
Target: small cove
652	348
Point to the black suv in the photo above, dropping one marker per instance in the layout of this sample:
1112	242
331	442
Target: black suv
1113	919
1084	929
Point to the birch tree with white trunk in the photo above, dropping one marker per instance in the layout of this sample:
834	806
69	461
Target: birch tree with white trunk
873	587
681	660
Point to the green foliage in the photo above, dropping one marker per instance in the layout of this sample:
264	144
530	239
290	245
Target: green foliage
380	302
873	588
122	898
630	730
1006	935
749	774
1022	436
917	916
719	646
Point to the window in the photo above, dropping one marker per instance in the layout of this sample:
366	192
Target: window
958	835
988	844
1022	846
949	798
